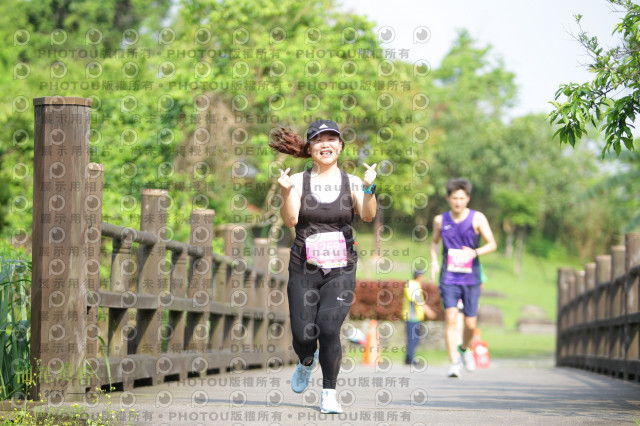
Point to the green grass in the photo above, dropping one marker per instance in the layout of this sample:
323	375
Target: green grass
434	357
503	344
536	286
511	344
15	323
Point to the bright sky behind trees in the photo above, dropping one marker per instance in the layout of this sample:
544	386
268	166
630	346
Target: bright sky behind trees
532	38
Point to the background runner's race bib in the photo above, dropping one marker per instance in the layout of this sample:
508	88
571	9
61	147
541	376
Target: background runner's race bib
327	250
458	261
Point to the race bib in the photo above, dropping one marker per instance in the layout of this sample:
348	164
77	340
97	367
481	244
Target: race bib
458	261
327	250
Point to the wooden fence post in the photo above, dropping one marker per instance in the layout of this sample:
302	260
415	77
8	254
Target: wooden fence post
632	287
178	287
617	270
581	302
278	297
632	260
59	280
572	294
590	313
171	362
262	254
200	272
590	285
153	274
578	302
123	271
93	211
235	237
615	301
564	277
603	275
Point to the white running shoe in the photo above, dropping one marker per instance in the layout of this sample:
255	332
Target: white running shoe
302	375
467	359
454	370
328	402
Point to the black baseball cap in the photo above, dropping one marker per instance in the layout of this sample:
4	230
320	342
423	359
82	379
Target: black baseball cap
320	126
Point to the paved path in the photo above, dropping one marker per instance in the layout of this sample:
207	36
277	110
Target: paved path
510	392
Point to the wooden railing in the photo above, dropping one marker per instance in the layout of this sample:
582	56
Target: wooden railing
599	313
168	311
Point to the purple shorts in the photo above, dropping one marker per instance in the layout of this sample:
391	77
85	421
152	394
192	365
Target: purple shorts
470	294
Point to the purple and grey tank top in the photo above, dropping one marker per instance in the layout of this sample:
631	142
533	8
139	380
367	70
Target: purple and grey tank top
455	270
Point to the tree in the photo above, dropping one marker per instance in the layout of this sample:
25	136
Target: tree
613	97
521	208
185	100
471	92
624	187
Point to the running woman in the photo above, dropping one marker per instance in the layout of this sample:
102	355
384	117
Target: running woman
461	277
320	203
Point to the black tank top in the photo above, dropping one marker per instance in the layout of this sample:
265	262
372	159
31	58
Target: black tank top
315	217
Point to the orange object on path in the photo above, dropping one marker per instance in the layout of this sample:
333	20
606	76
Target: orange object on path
371	354
480	350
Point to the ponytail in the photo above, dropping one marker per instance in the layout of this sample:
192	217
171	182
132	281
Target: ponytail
287	142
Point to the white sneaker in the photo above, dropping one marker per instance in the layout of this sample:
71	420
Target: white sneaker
454	370
328	402
302	375
467	359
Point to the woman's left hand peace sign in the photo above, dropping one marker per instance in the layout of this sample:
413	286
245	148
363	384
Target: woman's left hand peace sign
369	175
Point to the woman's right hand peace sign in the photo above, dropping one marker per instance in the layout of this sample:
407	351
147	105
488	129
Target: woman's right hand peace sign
284	180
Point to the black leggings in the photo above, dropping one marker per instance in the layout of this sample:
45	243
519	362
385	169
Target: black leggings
318	305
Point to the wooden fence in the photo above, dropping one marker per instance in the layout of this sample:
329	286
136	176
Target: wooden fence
169	310
599	313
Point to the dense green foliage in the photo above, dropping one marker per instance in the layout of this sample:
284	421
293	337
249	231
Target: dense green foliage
612	98
622	188
184	97
188	107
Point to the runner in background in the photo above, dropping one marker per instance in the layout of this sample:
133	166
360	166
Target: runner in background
414	311
320	203
460	276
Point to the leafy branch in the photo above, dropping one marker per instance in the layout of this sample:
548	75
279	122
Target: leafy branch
617	70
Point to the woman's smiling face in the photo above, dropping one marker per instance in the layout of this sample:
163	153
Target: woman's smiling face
325	148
